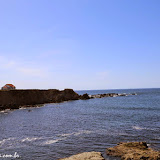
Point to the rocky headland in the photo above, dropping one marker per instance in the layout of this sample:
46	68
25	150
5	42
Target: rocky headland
14	99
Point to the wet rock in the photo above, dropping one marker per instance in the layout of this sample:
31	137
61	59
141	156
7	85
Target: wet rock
85	96
133	151
105	95
85	156
133	94
96	96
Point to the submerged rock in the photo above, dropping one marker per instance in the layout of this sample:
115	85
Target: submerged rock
133	151
85	156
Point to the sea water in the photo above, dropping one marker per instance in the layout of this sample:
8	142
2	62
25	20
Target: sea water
60	130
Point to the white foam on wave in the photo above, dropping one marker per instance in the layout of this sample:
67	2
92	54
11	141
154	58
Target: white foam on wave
2	142
76	133
53	141
65	136
2	111
137	128
22	108
30	139
6	111
82	132
31	107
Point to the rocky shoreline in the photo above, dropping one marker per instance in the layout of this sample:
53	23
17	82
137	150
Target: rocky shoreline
85	156
14	99
133	150
124	150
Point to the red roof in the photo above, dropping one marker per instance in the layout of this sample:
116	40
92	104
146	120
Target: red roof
5	87
11	85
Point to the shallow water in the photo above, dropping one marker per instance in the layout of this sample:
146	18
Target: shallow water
60	130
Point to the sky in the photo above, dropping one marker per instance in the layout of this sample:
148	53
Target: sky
80	44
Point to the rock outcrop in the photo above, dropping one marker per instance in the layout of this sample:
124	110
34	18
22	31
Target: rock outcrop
85	156
111	95
14	99
84	96
133	151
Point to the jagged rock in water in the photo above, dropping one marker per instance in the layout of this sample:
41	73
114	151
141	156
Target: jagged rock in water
105	95
85	96
133	151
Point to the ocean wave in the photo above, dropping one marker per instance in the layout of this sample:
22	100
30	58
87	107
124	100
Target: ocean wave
65	136
2	142
42	140
83	132
53	141
76	133
30	139
138	128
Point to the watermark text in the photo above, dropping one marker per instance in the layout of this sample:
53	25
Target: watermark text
15	155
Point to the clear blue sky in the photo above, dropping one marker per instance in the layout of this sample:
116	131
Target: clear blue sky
80	44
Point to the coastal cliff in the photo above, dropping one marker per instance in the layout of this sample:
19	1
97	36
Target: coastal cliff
13	99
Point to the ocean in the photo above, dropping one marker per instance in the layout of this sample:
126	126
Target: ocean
60	130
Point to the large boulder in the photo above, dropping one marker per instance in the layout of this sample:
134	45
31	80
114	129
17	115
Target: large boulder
133	151
84	96
85	156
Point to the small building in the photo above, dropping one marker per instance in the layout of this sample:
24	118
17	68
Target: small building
8	87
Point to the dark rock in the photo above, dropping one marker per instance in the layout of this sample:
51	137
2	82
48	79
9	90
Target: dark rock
84	96
105	95
133	94
15	99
